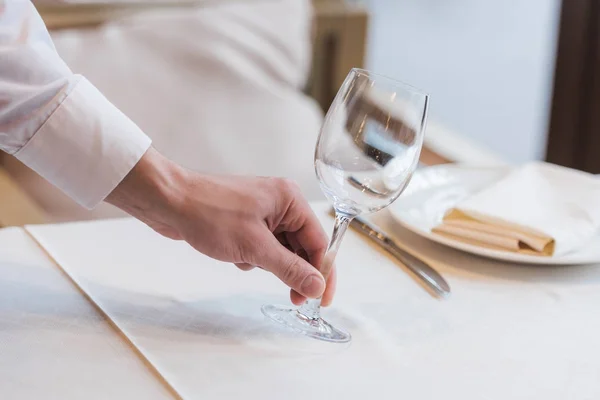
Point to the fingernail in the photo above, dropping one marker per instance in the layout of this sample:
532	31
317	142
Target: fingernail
313	286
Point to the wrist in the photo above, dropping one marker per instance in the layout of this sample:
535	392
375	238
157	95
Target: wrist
151	190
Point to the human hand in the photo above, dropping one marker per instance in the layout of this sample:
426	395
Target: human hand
248	221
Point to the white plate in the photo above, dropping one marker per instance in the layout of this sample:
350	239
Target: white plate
434	190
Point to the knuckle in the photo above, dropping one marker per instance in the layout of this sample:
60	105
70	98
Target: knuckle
294	187
255	248
249	250
253	202
291	270
286	185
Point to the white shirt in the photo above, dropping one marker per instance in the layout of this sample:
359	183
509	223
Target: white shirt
57	122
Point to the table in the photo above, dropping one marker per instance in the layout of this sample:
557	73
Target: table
190	327
54	343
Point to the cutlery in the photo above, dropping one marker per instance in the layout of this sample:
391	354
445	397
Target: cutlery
419	267
365	188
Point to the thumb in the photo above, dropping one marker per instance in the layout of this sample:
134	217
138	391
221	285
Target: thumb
294	271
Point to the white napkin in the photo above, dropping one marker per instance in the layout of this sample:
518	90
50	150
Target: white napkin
539	208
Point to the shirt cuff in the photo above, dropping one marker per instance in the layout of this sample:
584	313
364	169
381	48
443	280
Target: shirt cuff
86	147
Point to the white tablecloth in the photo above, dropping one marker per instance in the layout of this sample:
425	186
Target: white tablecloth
54	344
506	332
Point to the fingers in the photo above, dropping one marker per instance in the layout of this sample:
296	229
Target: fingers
303	229
330	289
297	298
327	299
303	233
292	244
310	242
290	268
311	238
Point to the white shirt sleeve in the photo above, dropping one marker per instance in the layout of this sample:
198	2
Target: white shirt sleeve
56	122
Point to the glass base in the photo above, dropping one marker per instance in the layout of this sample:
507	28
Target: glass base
316	328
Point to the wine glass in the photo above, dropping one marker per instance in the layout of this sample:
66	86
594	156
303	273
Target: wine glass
367	151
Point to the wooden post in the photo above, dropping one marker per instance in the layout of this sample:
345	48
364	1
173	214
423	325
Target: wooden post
16	208
339	45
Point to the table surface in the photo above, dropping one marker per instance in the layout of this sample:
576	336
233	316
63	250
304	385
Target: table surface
111	301
54	343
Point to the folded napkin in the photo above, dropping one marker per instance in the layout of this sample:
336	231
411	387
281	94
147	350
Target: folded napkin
539	208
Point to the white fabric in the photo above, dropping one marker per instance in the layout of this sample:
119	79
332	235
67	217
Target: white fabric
56	122
506	332
54	344
536	202
217	87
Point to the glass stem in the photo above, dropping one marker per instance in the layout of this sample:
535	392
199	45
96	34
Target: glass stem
311	308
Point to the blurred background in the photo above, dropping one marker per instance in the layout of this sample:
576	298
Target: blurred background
240	86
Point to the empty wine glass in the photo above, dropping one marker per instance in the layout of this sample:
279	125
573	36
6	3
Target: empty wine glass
366	153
